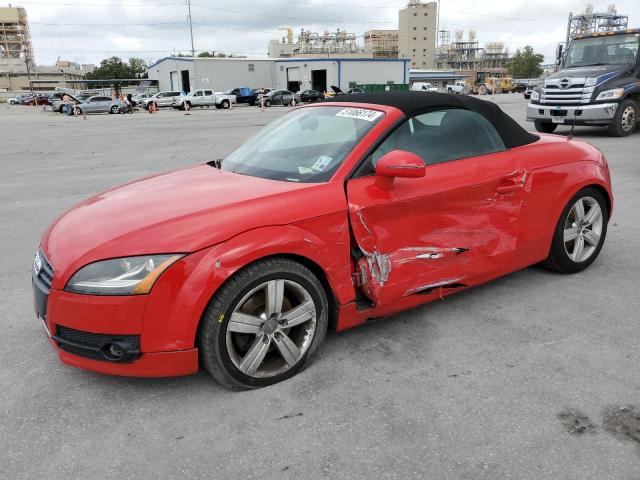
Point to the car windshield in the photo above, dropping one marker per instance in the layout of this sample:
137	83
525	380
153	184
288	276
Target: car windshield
306	145
605	50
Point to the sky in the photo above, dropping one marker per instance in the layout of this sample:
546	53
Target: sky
87	31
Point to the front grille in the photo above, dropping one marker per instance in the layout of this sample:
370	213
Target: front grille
95	345
576	93
46	271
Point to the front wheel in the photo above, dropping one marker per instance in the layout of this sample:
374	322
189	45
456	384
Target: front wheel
580	232
225	104
114	109
264	324
267	103
545	127
624	121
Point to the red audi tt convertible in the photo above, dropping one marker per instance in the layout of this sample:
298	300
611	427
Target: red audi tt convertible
337	213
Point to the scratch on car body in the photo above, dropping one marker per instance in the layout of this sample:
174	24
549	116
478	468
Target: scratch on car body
430	286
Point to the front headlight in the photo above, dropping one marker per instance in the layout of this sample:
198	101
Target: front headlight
121	276
610	94
535	96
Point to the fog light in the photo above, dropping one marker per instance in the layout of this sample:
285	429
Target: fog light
114	350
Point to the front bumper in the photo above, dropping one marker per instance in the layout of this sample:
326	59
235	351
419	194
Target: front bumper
599	113
82	327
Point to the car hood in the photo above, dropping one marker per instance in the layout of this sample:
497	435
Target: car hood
179	212
591	72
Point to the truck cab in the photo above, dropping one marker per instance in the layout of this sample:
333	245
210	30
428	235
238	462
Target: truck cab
598	84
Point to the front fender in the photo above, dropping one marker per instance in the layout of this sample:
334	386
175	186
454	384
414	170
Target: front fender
181	295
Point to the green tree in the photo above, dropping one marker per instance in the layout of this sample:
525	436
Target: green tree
526	63
115	67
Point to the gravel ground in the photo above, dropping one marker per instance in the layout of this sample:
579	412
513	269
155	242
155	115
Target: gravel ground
535	375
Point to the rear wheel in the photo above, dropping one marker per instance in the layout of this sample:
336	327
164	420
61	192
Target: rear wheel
625	119
545	127
263	325
580	232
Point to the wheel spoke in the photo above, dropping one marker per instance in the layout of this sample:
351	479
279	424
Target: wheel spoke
578	249
579	210
289	350
592	216
570	234
592	238
299	314
255	355
244	323
275	294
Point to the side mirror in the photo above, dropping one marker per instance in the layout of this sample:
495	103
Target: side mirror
559	49
400	163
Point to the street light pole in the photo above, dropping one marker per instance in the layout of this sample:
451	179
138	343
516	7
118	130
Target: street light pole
193	51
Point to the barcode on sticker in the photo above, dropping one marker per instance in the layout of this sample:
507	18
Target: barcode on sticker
359	113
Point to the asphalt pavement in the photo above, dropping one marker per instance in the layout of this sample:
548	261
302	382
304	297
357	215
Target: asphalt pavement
535	375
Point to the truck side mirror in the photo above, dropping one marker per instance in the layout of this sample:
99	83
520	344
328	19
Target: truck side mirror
559	50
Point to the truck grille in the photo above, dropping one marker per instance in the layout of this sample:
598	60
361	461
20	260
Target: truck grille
563	92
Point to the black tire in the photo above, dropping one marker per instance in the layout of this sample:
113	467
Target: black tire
61	109
225	104
114	109
218	107
267	103
545	127
213	330
558	259
625	120
252	103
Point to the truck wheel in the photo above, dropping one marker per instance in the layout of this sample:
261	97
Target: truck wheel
545	127
482	90
624	121
225	104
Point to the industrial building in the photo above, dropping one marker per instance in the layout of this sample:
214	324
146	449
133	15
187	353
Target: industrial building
417	33
381	43
590	21
15	39
312	44
467	54
186	73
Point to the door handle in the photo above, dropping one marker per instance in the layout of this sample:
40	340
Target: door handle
512	183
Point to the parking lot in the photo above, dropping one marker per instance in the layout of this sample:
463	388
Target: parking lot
524	377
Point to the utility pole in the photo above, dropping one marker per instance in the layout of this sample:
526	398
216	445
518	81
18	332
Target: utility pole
26	62
193	50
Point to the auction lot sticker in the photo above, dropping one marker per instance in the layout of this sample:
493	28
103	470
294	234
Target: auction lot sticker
359	113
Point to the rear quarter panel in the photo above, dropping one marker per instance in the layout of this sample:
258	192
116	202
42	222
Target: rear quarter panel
558	168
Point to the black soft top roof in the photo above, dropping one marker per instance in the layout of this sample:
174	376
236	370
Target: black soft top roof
412	103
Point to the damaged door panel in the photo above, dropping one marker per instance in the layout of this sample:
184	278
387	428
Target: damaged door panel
439	231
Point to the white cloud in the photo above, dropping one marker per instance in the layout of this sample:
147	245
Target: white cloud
104	27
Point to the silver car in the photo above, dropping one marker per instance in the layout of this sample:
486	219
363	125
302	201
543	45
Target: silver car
99	104
58	106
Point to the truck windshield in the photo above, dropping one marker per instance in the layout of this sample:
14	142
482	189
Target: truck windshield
605	50
306	145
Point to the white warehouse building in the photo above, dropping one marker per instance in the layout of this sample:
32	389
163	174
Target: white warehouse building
187	74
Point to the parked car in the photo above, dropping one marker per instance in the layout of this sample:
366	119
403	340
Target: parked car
308	96
423	87
208	98
58	106
165	99
335	90
16	100
139	98
38	99
244	95
280	97
459	88
337	213
99	104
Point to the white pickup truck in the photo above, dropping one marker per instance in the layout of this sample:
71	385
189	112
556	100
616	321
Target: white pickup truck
207	98
460	88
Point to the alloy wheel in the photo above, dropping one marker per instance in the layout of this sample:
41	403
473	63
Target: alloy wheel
271	328
583	229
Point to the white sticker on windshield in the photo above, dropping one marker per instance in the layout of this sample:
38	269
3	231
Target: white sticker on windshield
321	163
359	113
